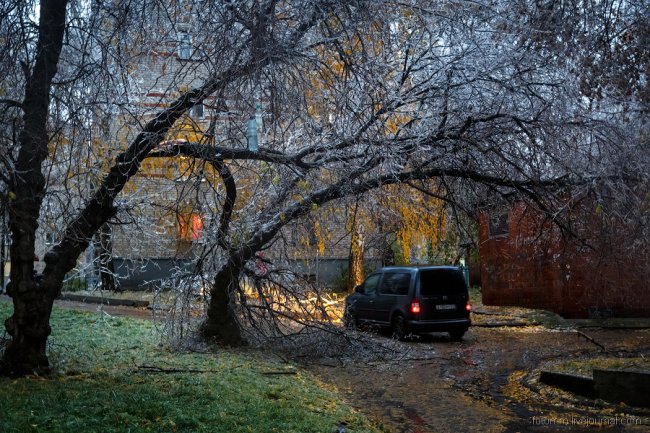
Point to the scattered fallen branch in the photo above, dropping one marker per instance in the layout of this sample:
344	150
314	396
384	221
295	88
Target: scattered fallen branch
155	369
591	340
487	313
506	324
278	372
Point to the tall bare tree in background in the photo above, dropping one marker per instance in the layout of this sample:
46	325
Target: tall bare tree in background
356	96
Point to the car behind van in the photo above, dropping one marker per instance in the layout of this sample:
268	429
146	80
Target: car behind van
412	300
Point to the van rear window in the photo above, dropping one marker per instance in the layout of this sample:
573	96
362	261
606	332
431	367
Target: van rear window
441	282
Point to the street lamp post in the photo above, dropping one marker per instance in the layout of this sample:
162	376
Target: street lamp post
255	124
253	140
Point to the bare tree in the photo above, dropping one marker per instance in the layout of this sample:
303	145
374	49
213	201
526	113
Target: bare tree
444	94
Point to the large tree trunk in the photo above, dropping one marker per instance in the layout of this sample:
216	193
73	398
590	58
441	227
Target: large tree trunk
357	248
29	324
34	295
29	328
355	260
221	324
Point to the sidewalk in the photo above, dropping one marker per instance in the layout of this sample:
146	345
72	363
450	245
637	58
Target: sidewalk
496	316
101	299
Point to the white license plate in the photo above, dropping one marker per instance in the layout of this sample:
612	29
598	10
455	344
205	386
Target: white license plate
446	307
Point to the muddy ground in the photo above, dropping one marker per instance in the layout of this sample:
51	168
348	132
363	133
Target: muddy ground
486	383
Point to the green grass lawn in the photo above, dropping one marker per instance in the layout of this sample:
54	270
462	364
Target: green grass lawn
110	375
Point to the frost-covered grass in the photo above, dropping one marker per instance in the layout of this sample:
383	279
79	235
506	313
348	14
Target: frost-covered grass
110	375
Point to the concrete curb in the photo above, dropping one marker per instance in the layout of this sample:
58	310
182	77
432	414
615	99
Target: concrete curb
617	386
505	324
104	301
581	385
630	387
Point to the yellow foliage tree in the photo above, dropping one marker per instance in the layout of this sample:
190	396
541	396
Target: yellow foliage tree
417	219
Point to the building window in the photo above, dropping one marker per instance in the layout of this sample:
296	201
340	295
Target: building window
498	224
190	227
50	239
303	234
184	45
196	112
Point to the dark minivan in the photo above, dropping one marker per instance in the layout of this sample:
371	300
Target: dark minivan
412	299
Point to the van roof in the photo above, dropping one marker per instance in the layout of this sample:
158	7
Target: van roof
418	267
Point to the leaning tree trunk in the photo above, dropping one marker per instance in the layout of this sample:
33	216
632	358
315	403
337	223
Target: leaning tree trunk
221	324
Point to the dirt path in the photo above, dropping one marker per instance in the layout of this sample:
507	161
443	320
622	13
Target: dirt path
113	310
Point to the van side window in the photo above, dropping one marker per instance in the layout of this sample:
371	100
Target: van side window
370	285
395	283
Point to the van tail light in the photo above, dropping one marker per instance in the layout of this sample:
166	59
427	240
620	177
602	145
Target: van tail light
468	307
415	306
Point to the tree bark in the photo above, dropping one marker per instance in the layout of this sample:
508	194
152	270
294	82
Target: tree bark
221	324
355	260
32	298
33	295
104	248
29	328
